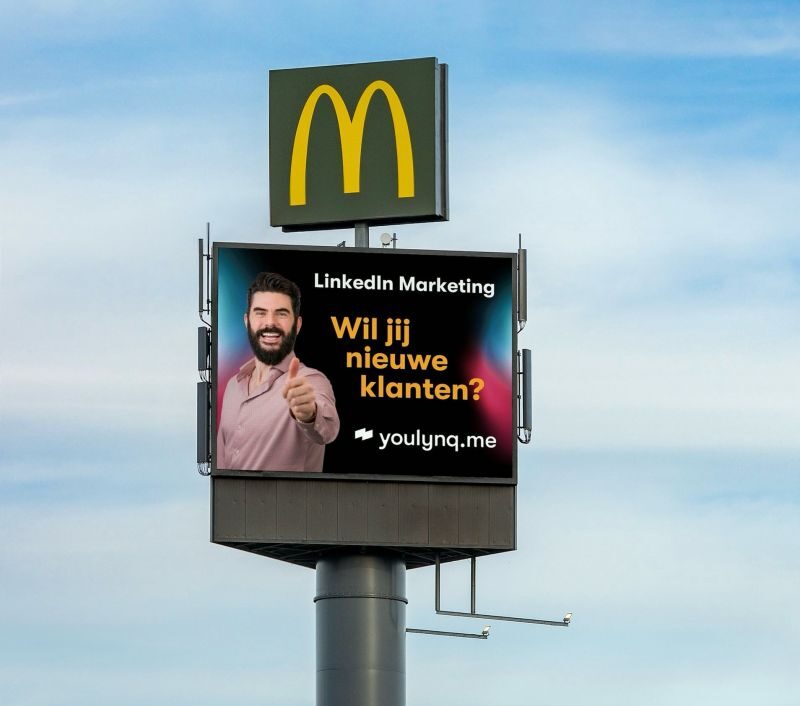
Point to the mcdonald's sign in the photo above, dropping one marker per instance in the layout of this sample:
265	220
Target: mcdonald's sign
358	143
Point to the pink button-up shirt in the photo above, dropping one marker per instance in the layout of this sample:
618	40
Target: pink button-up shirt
258	433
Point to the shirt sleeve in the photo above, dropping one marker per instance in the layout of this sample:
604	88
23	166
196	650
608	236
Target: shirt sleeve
325	427
220	448
221	456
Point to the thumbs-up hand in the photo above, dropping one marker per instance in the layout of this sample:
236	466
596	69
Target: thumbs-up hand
299	394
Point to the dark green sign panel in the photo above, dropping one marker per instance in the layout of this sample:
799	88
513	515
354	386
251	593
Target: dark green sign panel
358	143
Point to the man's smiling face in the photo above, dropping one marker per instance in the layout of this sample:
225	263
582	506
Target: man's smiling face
271	326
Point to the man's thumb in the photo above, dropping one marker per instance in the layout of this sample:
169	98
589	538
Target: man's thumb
294	366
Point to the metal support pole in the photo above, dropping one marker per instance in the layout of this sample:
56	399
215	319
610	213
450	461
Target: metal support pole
362	235
361	630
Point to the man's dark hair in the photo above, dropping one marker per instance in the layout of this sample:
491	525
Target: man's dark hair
273	282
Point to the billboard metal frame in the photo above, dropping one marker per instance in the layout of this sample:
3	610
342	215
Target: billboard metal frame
325	476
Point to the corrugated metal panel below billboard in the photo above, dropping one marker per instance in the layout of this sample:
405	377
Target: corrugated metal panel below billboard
306	518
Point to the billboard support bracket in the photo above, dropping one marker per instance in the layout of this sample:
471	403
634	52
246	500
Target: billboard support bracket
563	623
446	633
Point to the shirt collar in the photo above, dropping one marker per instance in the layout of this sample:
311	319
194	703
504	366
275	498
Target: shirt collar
247	369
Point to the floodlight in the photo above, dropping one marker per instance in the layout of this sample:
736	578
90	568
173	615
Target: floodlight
567	618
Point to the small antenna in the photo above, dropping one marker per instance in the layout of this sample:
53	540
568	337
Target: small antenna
208	267
204	275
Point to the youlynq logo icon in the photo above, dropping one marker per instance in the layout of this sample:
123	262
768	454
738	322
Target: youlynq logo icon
426	442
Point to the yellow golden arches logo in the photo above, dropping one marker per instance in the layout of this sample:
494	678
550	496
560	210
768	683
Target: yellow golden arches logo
351	135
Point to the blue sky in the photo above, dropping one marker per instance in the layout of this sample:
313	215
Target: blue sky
648	153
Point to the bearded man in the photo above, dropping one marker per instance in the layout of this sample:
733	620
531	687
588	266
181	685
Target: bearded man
277	414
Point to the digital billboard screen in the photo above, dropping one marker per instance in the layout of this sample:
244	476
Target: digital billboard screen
356	363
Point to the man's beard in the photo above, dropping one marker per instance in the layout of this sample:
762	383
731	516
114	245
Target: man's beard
272	357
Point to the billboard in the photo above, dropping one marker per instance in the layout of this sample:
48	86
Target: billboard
358	143
351	363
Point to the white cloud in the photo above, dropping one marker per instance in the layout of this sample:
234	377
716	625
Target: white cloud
662	566
677	29
663	300
663	285
680	581
695	36
125	565
76	19
662	292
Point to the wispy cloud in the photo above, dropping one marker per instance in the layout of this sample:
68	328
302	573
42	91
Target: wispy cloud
690	36
653	29
660	499
663	290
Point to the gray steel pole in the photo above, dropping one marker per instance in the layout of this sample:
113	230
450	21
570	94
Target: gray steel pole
361	620
361	630
362	235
